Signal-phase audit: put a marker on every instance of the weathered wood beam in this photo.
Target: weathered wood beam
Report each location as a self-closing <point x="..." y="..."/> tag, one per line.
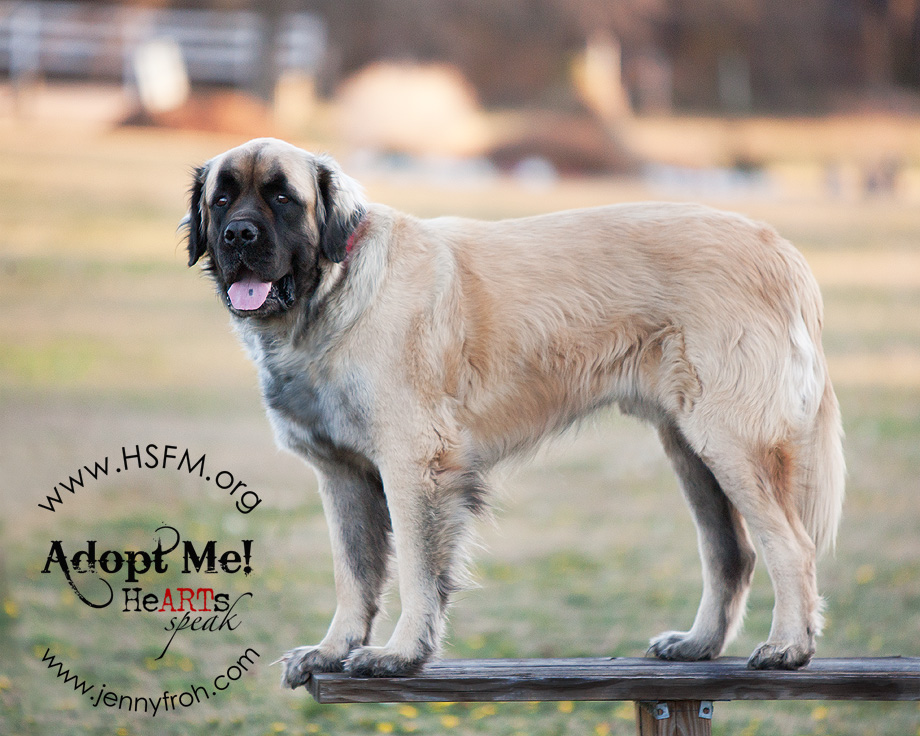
<point x="481" y="680"/>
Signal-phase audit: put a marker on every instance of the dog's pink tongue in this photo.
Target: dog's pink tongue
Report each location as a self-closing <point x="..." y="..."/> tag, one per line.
<point x="248" y="293"/>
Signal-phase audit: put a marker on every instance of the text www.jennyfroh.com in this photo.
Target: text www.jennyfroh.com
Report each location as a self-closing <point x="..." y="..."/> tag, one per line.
<point x="161" y="703"/>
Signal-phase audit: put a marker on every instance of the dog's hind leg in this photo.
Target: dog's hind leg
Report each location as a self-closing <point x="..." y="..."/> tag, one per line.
<point x="359" y="528"/>
<point x="762" y="486"/>
<point x="727" y="554"/>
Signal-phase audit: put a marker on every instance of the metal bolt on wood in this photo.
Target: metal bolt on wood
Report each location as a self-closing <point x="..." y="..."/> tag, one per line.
<point x="674" y="718"/>
<point x="660" y="711"/>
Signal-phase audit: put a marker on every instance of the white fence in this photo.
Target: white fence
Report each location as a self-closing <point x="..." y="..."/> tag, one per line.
<point x="77" y="41"/>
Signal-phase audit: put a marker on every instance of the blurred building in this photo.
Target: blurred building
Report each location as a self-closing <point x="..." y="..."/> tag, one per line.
<point x="725" y="56"/>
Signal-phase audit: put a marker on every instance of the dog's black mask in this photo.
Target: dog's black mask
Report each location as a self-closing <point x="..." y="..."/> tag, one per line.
<point x="268" y="217"/>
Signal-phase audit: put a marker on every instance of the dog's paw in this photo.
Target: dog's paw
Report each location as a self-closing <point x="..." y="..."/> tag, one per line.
<point x="381" y="662"/>
<point x="302" y="662"/>
<point x="773" y="657"/>
<point x="679" y="646"/>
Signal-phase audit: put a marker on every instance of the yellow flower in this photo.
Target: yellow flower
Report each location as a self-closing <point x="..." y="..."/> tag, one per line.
<point x="819" y="713"/>
<point x="865" y="574"/>
<point x="385" y="727"/>
<point x="279" y="727"/>
<point x="10" y="607"/>
<point x="602" y="729"/>
<point x="408" y="711"/>
<point x="450" y="721"/>
<point x="484" y="711"/>
<point x="625" y="712"/>
<point x="566" y="706"/>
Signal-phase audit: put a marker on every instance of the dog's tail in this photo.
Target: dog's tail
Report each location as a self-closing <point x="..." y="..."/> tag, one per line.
<point x="822" y="465"/>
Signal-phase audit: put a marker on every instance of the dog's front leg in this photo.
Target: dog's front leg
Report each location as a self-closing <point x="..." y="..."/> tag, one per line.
<point x="359" y="529"/>
<point x="430" y="512"/>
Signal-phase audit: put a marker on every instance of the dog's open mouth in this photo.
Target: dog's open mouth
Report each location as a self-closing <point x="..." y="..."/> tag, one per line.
<point x="249" y="293"/>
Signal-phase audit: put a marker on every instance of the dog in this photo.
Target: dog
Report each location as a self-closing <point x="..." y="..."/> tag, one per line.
<point x="403" y="358"/>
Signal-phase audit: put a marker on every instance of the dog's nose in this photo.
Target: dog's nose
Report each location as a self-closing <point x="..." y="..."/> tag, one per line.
<point x="241" y="232"/>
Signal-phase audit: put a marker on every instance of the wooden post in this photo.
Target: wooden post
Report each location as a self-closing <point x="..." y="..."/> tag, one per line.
<point x="674" y="718"/>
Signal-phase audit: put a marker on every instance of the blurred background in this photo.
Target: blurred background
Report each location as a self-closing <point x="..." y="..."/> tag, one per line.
<point x="536" y="88"/>
<point x="804" y="113"/>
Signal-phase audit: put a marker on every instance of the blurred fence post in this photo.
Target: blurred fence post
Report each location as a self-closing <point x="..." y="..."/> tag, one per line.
<point x="245" y="49"/>
<point x="25" y="50"/>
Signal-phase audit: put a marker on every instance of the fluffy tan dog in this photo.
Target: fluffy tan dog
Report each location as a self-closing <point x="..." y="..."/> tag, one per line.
<point x="402" y="358"/>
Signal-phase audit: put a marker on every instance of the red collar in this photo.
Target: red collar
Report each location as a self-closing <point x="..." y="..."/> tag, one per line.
<point x="353" y="239"/>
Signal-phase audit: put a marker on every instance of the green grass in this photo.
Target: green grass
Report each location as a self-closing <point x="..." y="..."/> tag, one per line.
<point x="106" y="339"/>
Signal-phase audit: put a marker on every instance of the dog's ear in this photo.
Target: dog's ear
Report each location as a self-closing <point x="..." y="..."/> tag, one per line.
<point x="339" y="208"/>
<point x="194" y="221"/>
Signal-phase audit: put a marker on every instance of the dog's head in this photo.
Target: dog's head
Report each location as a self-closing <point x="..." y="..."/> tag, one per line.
<point x="270" y="217"/>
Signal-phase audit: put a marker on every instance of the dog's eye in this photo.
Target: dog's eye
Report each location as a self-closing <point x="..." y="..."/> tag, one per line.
<point x="282" y="198"/>
<point x="221" y="201"/>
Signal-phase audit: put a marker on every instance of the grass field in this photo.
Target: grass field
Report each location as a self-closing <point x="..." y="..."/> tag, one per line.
<point x="107" y="340"/>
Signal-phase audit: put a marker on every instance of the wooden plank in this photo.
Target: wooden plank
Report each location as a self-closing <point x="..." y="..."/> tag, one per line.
<point x="483" y="680"/>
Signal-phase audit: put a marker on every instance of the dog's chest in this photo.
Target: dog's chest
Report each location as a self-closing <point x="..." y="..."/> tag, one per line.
<point x="314" y="413"/>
